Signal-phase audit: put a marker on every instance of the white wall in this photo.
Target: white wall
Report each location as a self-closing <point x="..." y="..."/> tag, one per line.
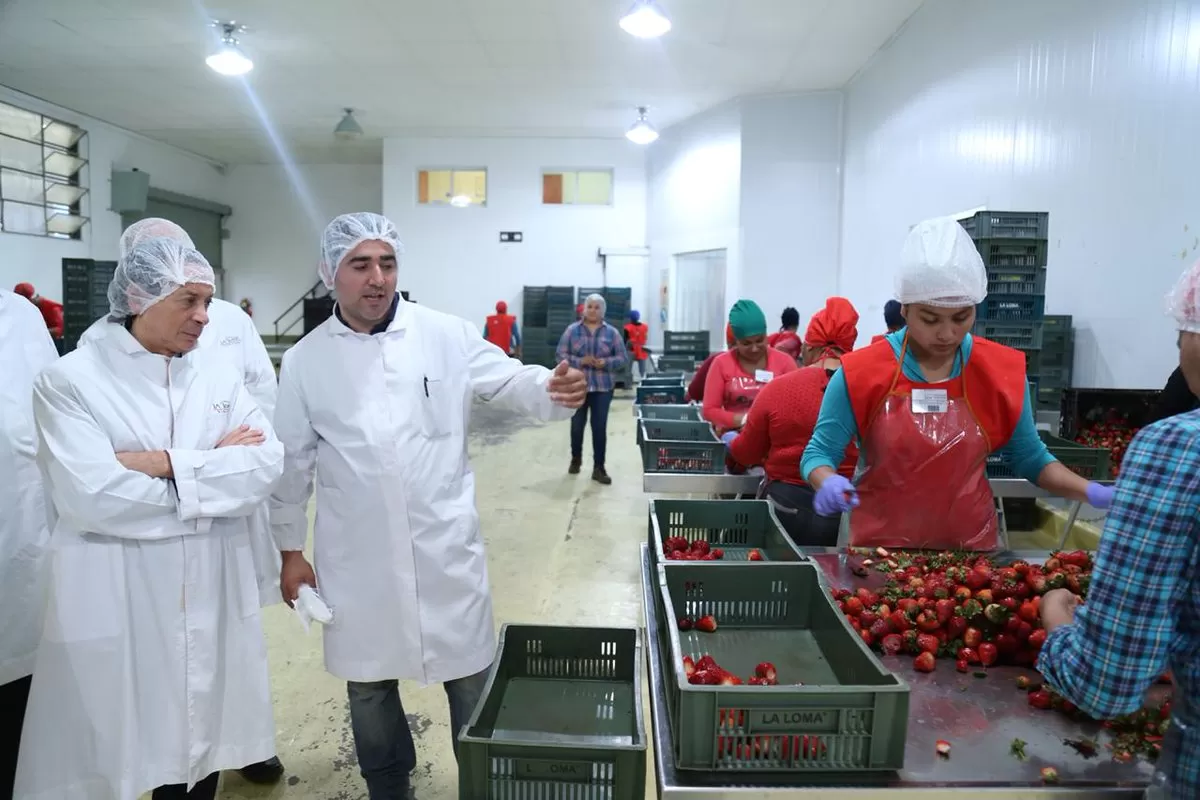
<point x="275" y="230"/>
<point x="38" y="259"/>
<point x="453" y="259"/>
<point x="791" y="198"/>
<point x="694" y="198"/>
<point x="1083" y="108"/>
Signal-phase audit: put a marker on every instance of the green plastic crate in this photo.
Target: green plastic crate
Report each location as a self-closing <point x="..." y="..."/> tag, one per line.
<point x="735" y="526"/>
<point x="671" y="413"/>
<point x="676" y="364"/>
<point x="1087" y="462"/>
<point x="688" y="447"/>
<point x="850" y="715"/>
<point x="560" y="718"/>
<point x="674" y="394"/>
<point x="1021" y="335"/>
<point x="670" y="381"/>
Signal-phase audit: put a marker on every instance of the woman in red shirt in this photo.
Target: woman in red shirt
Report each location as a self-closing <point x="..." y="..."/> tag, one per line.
<point x="737" y="376"/>
<point x="787" y="339"/>
<point x="782" y="419"/>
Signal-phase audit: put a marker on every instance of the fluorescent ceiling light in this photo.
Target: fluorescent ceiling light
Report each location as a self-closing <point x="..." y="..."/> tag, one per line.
<point x="641" y="132"/>
<point x="348" y="128"/>
<point x="645" y="20"/>
<point x="229" y="58"/>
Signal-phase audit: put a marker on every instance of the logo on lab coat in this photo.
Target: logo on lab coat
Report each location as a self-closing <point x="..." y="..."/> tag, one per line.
<point x="222" y="406"/>
<point x="228" y="340"/>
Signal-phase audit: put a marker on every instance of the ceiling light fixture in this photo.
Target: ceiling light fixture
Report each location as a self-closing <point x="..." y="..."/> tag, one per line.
<point x="348" y="129"/>
<point x="229" y="58"/>
<point x="641" y="132"/>
<point x="645" y="20"/>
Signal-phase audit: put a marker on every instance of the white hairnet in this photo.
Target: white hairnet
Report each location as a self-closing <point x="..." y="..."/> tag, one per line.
<point x="349" y="231"/>
<point x="939" y="266"/>
<point x="597" y="298"/>
<point x="1183" y="302"/>
<point x="150" y="272"/>
<point x="152" y="228"/>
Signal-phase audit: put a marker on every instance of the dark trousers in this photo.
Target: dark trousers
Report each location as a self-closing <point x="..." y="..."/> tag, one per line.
<point x="204" y="790"/>
<point x="13" y="698"/>
<point x="597" y="403"/>
<point x="794" y="508"/>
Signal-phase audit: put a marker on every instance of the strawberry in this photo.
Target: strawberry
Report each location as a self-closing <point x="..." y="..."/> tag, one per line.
<point x="706" y="662"/>
<point x="1076" y="558"/>
<point x="867" y="637"/>
<point x="1073" y="584"/>
<point x="928" y="643"/>
<point x="706" y="624"/>
<point x="1020" y="567"/>
<point x="1051" y="564"/>
<point x="956" y="627"/>
<point x="987" y="653"/>
<point x="729" y="680"/>
<point x="962" y="594"/>
<point x="717" y="554"/>
<point x="1025" y="683"/>
<point x="867" y="618"/>
<point x="927" y="622"/>
<point x="996" y="614"/>
<point x="766" y="670"/>
<point x="879" y="629"/>
<point x="705" y="677"/>
<point x="1056" y="580"/>
<point x="891" y="644"/>
<point x="972" y="637"/>
<point x="1013" y="624"/>
<point x="1037" y="639"/>
<point x="854" y="606"/>
<point x="910" y="642"/>
<point x="969" y="610"/>
<point x="700" y="546"/>
<point x="1023" y="592"/>
<point x="1040" y="699"/>
<point x="1037" y="583"/>
<point x="968" y="654"/>
<point x="943" y="748"/>
<point x="944" y="610"/>
<point x="755" y="555"/>
<point x="1006" y="644"/>
<point x="883" y="610"/>
<point x="685" y="623"/>
<point x="1010" y="603"/>
<point x="925" y="662"/>
<point x="898" y="622"/>
<point x="868" y="598"/>
<point x="985" y="597"/>
<point x="710" y="556"/>
<point x="1024" y="631"/>
<point x="677" y="555"/>
<point x="1049" y="775"/>
<point x="756" y="681"/>
<point x="1028" y="612"/>
<point x="978" y="578"/>
<point x="908" y="606"/>
<point x="689" y="666"/>
<point x="962" y="665"/>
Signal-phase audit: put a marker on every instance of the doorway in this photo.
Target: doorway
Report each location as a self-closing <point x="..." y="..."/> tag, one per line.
<point x="697" y="295"/>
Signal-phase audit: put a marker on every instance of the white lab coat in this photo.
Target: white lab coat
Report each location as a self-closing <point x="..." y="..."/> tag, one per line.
<point x="231" y="339"/>
<point x="398" y="553"/>
<point x="25" y="349"/>
<point x="152" y="666"/>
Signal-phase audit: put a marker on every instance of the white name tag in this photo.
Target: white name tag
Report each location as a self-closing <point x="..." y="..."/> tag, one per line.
<point x="763" y="375"/>
<point x="930" y="401"/>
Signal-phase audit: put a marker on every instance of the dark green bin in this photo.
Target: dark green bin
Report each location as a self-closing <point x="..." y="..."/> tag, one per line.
<point x="680" y="447"/>
<point x="735" y="526"/>
<point x="676" y="364"/>
<point x="560" y="718"/>
<point x="675" y="412"/>
<point x="851" y="714"/>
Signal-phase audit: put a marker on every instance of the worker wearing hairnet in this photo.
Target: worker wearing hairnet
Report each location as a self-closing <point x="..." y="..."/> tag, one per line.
<point x="928" y="405"/>
<point x="229" y="341"/>
<point x="374" y="408"/>
<point x="25" y="350"/>
<point x="1143" y="602"/>
<point x="151" y="673"/>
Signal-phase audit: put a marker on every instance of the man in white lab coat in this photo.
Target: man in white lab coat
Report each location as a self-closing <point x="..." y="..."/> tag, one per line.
<point x="25" y="350"/>
<point x="377" y="402"/>
<point x="151" y="672"/>
<point x="229" y="339"/>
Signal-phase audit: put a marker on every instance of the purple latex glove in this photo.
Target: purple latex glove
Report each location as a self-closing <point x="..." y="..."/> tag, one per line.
<point x="836" y="496"/>
<point x="1099" y="495"/>
<point x="728" y="437"/>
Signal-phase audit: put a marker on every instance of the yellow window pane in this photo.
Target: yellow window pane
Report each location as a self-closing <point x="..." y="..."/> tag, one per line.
<point x="595" y="188"/>
<point x="471" y="184"/>
<point x="438" y="186"/>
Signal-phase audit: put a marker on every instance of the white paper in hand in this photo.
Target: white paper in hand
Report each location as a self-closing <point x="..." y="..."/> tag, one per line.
<point x="311" y="608"/>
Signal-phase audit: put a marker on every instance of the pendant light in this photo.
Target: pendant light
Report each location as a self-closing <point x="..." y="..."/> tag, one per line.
<point x="348" y="129"/>
<point x="641" y="132"/>
<point x="228" y="59"/>
<point x="645" y="20"/>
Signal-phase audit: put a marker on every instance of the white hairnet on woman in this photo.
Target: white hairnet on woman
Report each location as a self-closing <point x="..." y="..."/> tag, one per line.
<point x="152" y="228"/>
<point x="151" y="271"/>
<point x="1183" y="301"/>
<point x="347" y="232"/>
<point x="598" y="299"/>
<point x="939" y="266"/>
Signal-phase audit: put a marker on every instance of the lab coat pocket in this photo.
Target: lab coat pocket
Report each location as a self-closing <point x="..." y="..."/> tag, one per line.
<point x="86" y="586"/>
<point x="438" y="409"/>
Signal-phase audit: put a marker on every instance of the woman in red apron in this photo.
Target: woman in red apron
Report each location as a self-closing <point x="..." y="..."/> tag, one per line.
<point x="637" y="334"/>
<point x="787" y="339"/>
<point x="737" y="375"/>
<point x="928" y="405"/>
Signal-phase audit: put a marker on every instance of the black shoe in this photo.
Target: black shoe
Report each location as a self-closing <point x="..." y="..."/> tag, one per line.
<point x="264" y="772"/>
<point x="576" y="465"/>
<point x="600" y="476"/>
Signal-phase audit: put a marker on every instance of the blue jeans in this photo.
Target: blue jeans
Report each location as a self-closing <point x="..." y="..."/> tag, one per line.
<point x="598" y="403"/>
<point x="382" y="738"/>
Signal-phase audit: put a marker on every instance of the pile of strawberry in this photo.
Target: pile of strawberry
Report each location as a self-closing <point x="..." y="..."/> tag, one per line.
<point x="677" y="548"/>
<point x="1114" y="437"/>
<point x="959" y="605"/>
<point x="707" y="672"/>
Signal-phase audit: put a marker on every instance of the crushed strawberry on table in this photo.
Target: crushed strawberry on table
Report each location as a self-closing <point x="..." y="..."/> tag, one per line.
<point x="677" y="548"/>
<point x="707" y="672"/>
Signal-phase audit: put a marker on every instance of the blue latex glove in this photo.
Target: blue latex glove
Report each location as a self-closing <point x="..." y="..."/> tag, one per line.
<point x="728" y="437"/>
<point x="1099" y="495"/>
<point x="836" y="496"/>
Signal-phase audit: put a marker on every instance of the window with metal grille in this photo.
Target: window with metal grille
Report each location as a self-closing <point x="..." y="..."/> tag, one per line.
<point x="42" y="175"/>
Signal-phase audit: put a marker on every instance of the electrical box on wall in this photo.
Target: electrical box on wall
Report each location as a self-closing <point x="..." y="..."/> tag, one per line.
<point x="130" y="191"/>
<point x="507" y="237"/>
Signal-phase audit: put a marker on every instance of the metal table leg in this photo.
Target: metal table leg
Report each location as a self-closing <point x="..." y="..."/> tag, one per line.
<point x="1071" y="517"/>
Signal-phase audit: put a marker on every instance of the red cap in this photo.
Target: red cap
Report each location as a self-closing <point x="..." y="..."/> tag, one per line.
<point x="25" y="290"/>
<point x="501" y="307"/>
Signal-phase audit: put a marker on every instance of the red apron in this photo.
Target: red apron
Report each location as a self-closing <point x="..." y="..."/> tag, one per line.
<point x="636" y="332"/>
<point x="499" y="331"/>
<point x="925" y="485"/>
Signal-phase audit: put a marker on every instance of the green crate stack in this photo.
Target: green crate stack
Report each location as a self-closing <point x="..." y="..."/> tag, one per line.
<point x="1055" y="361"/>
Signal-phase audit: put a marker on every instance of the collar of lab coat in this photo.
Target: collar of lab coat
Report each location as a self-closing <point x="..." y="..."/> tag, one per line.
<point x="399" y="321"/>
<point x="120" y="339"/>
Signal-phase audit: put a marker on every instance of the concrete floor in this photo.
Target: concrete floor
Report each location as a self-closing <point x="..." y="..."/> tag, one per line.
<point x="562" y="550"/>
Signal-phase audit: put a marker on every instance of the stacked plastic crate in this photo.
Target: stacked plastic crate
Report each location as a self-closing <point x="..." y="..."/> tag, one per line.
<point x="546" y="313"/>
<point x="1055" y="362"/>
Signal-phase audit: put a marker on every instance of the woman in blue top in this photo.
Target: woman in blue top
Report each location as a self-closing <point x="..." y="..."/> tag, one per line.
<point x="928" y="404"/>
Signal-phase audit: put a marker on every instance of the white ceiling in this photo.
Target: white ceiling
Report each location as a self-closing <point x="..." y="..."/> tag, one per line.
<point x="422" y="67"/>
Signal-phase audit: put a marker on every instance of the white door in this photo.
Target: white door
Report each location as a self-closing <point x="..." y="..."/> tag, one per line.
<point x="697" y="295"/>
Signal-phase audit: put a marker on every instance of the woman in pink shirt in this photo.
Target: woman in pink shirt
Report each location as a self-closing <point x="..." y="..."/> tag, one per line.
<point x="737" y="375"/>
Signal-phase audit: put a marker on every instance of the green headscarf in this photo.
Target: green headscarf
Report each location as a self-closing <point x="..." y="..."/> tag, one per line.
<point x="747" y="320"/>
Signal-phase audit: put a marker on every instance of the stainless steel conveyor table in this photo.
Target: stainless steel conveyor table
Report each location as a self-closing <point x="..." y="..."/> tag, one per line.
<point x="980" y="717"/>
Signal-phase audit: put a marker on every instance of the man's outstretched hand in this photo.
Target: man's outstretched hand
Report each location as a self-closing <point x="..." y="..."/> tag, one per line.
<point x="567" y="386"/>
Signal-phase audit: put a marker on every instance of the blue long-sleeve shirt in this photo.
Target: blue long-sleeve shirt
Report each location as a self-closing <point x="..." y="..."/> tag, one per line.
<point x="837" y="427"/>
<point x="1143" y="607"/>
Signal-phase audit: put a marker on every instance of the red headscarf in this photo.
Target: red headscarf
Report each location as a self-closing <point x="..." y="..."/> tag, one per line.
<point x="833" y="328"/>
<point x="501" y="307"/>
<point x="25" y="290"/>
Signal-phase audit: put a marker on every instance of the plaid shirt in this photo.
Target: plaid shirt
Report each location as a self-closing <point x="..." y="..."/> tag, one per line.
<point x="577" y="341"/>
<point x="1143" y="609"/>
